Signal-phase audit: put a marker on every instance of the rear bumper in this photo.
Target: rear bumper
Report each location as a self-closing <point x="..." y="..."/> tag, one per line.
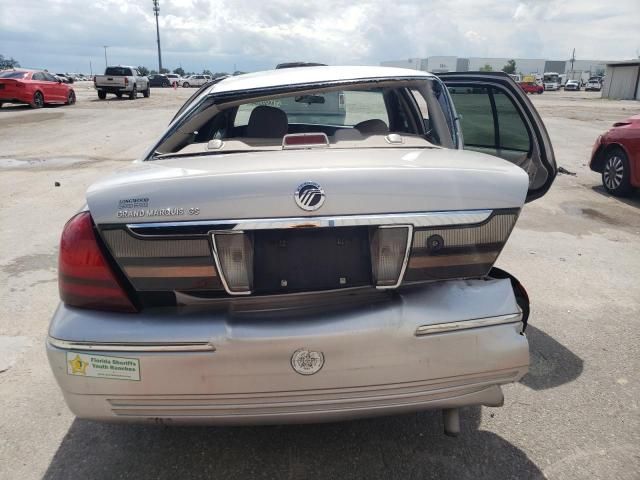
<point x="374" y="361"/>
<point x="113" y="89"/>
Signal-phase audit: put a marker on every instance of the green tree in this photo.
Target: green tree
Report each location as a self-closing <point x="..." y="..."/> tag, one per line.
<point x="207" y="72"/>
<point x="179" y="71"/>
<point x="486" y="68"/>
<point x="510" y="67"/>
<point x="165" y="70"/>
<point x="144" y="71"/>
<point x="6" y="62"/>
<point x="153" y="72"/>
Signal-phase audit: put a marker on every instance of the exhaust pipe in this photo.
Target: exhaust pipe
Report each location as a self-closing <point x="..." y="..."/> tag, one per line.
<point x="451" y="420"/>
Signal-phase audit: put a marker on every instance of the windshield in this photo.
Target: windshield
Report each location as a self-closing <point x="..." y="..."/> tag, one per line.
<point x="13" y="74"/>
<point x="118" y="71"/>
<point x="349" y="117"/>
<point x="553" y="77"/>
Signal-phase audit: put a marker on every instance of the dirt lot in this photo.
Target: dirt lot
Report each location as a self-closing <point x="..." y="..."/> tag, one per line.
<point x="575" y="416"/>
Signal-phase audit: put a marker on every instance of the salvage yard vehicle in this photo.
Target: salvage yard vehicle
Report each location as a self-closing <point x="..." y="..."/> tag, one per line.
<point x="531" y="87"/>
<point x="616" y="156"/>
<point x="195" y="81"/>
<point x="250" y="269"/>
<point x="34" y="88"/>
<point x="572" y="85"/>
<point x="551" y="81"/>
<point x="121" y="80"/>
<point x="593" y="85"/>
<point x="174" y="79"/>
<point x="157" y="80"/>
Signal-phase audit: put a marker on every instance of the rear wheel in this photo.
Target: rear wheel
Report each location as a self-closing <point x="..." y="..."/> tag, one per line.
<point x="71" y="98"/>
<point x="186" y="85"/>
<point x="102" y="95"/>
<point x="134" y="93"/>
<point x="616" y="175"/>
<point x="38" y="100"/>
<point x="147" y="92"/>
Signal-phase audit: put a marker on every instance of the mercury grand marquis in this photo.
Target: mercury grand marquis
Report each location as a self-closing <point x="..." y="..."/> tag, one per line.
<point x="303" y="245"/>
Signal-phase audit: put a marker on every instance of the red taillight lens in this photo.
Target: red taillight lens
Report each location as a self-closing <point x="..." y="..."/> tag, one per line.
<point x="85" y="278"/>
<point x="126" y="81"/>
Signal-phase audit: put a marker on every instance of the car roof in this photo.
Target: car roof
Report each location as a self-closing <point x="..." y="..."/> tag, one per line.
<point x="306" y="75"/>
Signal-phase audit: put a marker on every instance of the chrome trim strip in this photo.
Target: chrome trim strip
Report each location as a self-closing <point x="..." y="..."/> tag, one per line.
<point x="216" y="258"/>
<point x="132" y="347"/>
<point x="420" y="219"/>
<point x="467" y="324"/>
<point x="405" y="261"/>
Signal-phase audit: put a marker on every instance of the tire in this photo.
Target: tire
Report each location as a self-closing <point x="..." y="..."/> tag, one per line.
<point x="134" y="93"/>
<point x="102" y="95"/>
<point x="146" y="93"/>
<point x="185" y="85"/>
<point x="616" y="174"/>
<point x="71" y="98"/>
<point x="38" y="100"/>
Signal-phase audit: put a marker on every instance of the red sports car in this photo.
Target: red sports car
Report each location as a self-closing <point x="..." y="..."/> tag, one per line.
<point x="616" y="155"/>
<point x="531" y="87"/>
<point x="34" y="88"/>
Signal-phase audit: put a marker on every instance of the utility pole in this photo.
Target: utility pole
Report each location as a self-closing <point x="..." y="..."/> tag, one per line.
<point x="156" y="12"/>
<point x="573" y="58"/>
<point x="106" y="63"/>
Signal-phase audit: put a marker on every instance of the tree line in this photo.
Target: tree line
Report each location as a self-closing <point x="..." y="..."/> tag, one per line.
<point x="180" y="71"/>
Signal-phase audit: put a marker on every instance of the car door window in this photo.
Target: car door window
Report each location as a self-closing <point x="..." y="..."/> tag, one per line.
<point x="38" y="77"/>
<point x="49" y="78"/>
<point x="490" y="122"/>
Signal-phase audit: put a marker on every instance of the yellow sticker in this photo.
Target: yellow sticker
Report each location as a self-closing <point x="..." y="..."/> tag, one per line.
<point x="101" y="366"/>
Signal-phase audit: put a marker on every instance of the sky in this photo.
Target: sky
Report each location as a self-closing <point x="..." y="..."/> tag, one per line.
<point x="249" y="35"/>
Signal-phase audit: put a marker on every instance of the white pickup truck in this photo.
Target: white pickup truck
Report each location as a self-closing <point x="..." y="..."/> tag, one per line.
<point x="121" y="80"/>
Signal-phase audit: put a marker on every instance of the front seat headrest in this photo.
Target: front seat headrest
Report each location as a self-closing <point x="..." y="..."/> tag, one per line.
<point x="372" y="127"/>
<point x="267" y="122"/>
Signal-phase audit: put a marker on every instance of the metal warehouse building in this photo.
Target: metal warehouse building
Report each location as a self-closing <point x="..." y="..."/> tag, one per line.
<point x="622" y="81"/>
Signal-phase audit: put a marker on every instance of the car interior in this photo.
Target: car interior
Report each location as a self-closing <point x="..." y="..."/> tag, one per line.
<point x="350" y="118"/>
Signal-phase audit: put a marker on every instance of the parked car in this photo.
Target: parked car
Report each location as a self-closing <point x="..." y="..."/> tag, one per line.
<point x="157" y="80"/>
<point x="35" y="88"/>
<point x="121" y="80"/>
<point x="616" y="155"/>
<point x="593" y="85"/>
<point x="64" y="77"/>
<point x="195" y="81"/>
<point x="572" y="85"/>
<point x="250" y="269"/>
<point x="174" y="79"/>
<point x="531" y="87"/>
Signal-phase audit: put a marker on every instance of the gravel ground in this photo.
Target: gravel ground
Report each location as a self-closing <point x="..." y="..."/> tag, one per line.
<point x="574" y="416"/>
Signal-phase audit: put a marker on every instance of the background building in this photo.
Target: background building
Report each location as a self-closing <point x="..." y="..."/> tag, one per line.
<point x="622" y="80"/>
<point x="441" y="64"/>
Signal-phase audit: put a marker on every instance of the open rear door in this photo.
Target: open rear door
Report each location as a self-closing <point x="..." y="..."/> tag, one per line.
<point x="495" y="117"/>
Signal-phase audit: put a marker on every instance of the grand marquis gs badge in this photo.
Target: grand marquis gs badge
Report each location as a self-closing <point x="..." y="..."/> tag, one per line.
<point x="307" y="362"/>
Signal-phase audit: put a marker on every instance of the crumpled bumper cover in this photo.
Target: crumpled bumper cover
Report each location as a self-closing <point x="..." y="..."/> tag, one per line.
<point x="378" y="359"/>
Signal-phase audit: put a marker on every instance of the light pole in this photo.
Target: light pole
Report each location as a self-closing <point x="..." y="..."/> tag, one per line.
<point x="156" y="12"/>
<point x="106" y="63"/>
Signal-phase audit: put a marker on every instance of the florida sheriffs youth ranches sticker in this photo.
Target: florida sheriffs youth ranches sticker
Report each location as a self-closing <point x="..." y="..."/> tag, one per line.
<point x="307" y="362"/>
<point x="100" y="366"/>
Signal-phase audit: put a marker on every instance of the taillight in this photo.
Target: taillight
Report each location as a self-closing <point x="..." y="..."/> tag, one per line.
<point x="126" y="81"/>
<point x="389" y="254"/>
<point x="94" y="80"/>
<point x="85" y="278"/>
<point x="234" y="258"/>
<point x="458" y="252"/>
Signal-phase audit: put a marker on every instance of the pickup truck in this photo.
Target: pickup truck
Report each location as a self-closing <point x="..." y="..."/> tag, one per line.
<point x="121" y="80"/>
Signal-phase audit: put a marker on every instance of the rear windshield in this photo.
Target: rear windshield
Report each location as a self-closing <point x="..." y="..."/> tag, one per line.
<point x="118" y="71"/>
<point x="13" y="74"/>
<point x="353" y="116"/>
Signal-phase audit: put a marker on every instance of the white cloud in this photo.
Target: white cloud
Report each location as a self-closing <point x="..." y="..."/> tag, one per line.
<point x="253" y="34"/>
